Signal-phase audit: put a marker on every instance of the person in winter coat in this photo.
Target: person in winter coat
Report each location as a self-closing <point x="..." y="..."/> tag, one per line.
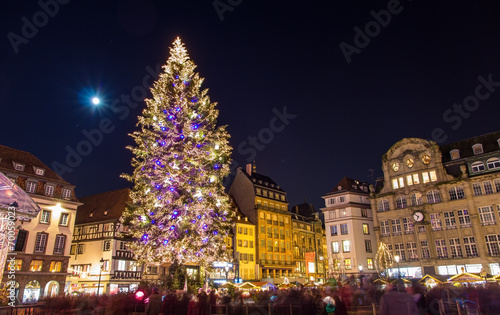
<point x="155" y="303"/>
<point x="397" y="302"/>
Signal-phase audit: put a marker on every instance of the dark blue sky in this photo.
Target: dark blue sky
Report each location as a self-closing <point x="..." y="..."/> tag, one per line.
<point x="262" y="57"/>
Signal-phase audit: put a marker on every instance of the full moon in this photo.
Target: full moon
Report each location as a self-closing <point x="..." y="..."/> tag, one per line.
<point x="96" y="100"/>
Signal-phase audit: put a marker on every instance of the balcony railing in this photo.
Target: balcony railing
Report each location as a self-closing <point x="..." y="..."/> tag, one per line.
<point x="127" y="275"/>
<point x="465" y="225"/>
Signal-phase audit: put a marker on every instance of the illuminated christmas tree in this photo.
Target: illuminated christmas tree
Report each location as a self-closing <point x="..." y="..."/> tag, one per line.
<point x="179" y="212"/>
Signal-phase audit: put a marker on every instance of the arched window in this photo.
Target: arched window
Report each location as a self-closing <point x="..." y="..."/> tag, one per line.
<point x="456" y="193"/>
<point x="477" y="166"/>
<point x="433" y="196"/>
<point x="383" y="205"/>
<point x="416" y="199"/>
<point x="401" y="202"/>
<point x="493" y="163"/>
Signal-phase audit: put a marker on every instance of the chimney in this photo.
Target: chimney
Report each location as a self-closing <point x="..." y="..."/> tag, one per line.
<point x="249" y="169"/>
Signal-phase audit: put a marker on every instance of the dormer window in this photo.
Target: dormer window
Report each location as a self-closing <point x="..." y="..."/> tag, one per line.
<point x="455" y="154"/>
<point x="66" y="194"/>
<point x="477" y="167"/>
<point x="477" y="149"/>
<point x="39" y="171"/>
<point x="498" y="141"/>
<point x="19" y="167"/>
<point x="106" y="212"/>
<point x="339" y="188"/>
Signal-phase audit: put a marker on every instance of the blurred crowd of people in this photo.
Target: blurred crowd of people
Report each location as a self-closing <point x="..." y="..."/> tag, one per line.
<point x="351" y="299"/>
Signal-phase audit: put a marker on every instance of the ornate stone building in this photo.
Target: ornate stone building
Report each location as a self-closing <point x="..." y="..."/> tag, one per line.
<point x="437" y="207"/>
<point x="43" y="244"/>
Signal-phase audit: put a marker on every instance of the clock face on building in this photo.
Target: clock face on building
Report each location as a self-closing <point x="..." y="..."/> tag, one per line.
<point x="410" y="163"/>
<point x="426" y="159"/>
<point x="418" y="216"/>
<point x="395" y="166"/>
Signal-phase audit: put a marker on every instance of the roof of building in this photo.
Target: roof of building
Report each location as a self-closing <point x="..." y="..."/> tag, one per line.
<point x="347" y="184"/>
<point x="9" y="156"/>
<point x="262" y="180"/>
<point x="304" y="209"/>
<point x="106" y="206"/>
<point x="489" y="142"/>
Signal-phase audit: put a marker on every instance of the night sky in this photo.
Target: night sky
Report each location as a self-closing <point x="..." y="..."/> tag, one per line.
<point x="336" y="112"/>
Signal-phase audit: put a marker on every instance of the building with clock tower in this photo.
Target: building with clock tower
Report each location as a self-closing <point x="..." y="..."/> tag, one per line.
<point x="437" y="208"/>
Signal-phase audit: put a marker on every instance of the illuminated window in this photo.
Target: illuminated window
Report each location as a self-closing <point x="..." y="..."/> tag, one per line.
<point x="36" y="265"/>
<point x="365" y="229"/>
<point x="425" y="177"/>
<point x="55" y="266"/>
<point x="347" y="263"/>
<point x="30" y="187"/>
<point x="369" y="262"/>
<point x="401" y="182"/>
<point x="18" y="264"/>
<point x="240" y="242"/>
<point x="433" y="176"/>
<point x="63" y="220"/>
<point x="259" y="191"/>
<point x="395" y="183"/>
<point x="409" y="180"/>
<point x="416" y="179"/>
<point x="346" y="246"/>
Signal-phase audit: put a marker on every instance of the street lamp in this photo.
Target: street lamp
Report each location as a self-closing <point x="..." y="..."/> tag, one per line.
<point x="101" y="263"/>
<point x="396" y="258"/>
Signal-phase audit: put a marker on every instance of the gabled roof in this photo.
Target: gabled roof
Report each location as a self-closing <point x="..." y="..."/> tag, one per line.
<point x="106" y="206"/>
<point x="489" y="142"/>
<point x="9" y="156"/>
<point x="347" y="184"/>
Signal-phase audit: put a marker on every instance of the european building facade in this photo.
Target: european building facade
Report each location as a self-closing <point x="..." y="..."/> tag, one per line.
<point x="438" y="207"/>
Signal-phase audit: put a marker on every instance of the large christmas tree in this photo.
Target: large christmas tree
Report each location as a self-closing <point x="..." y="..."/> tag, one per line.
<point x="179" y="212"/>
